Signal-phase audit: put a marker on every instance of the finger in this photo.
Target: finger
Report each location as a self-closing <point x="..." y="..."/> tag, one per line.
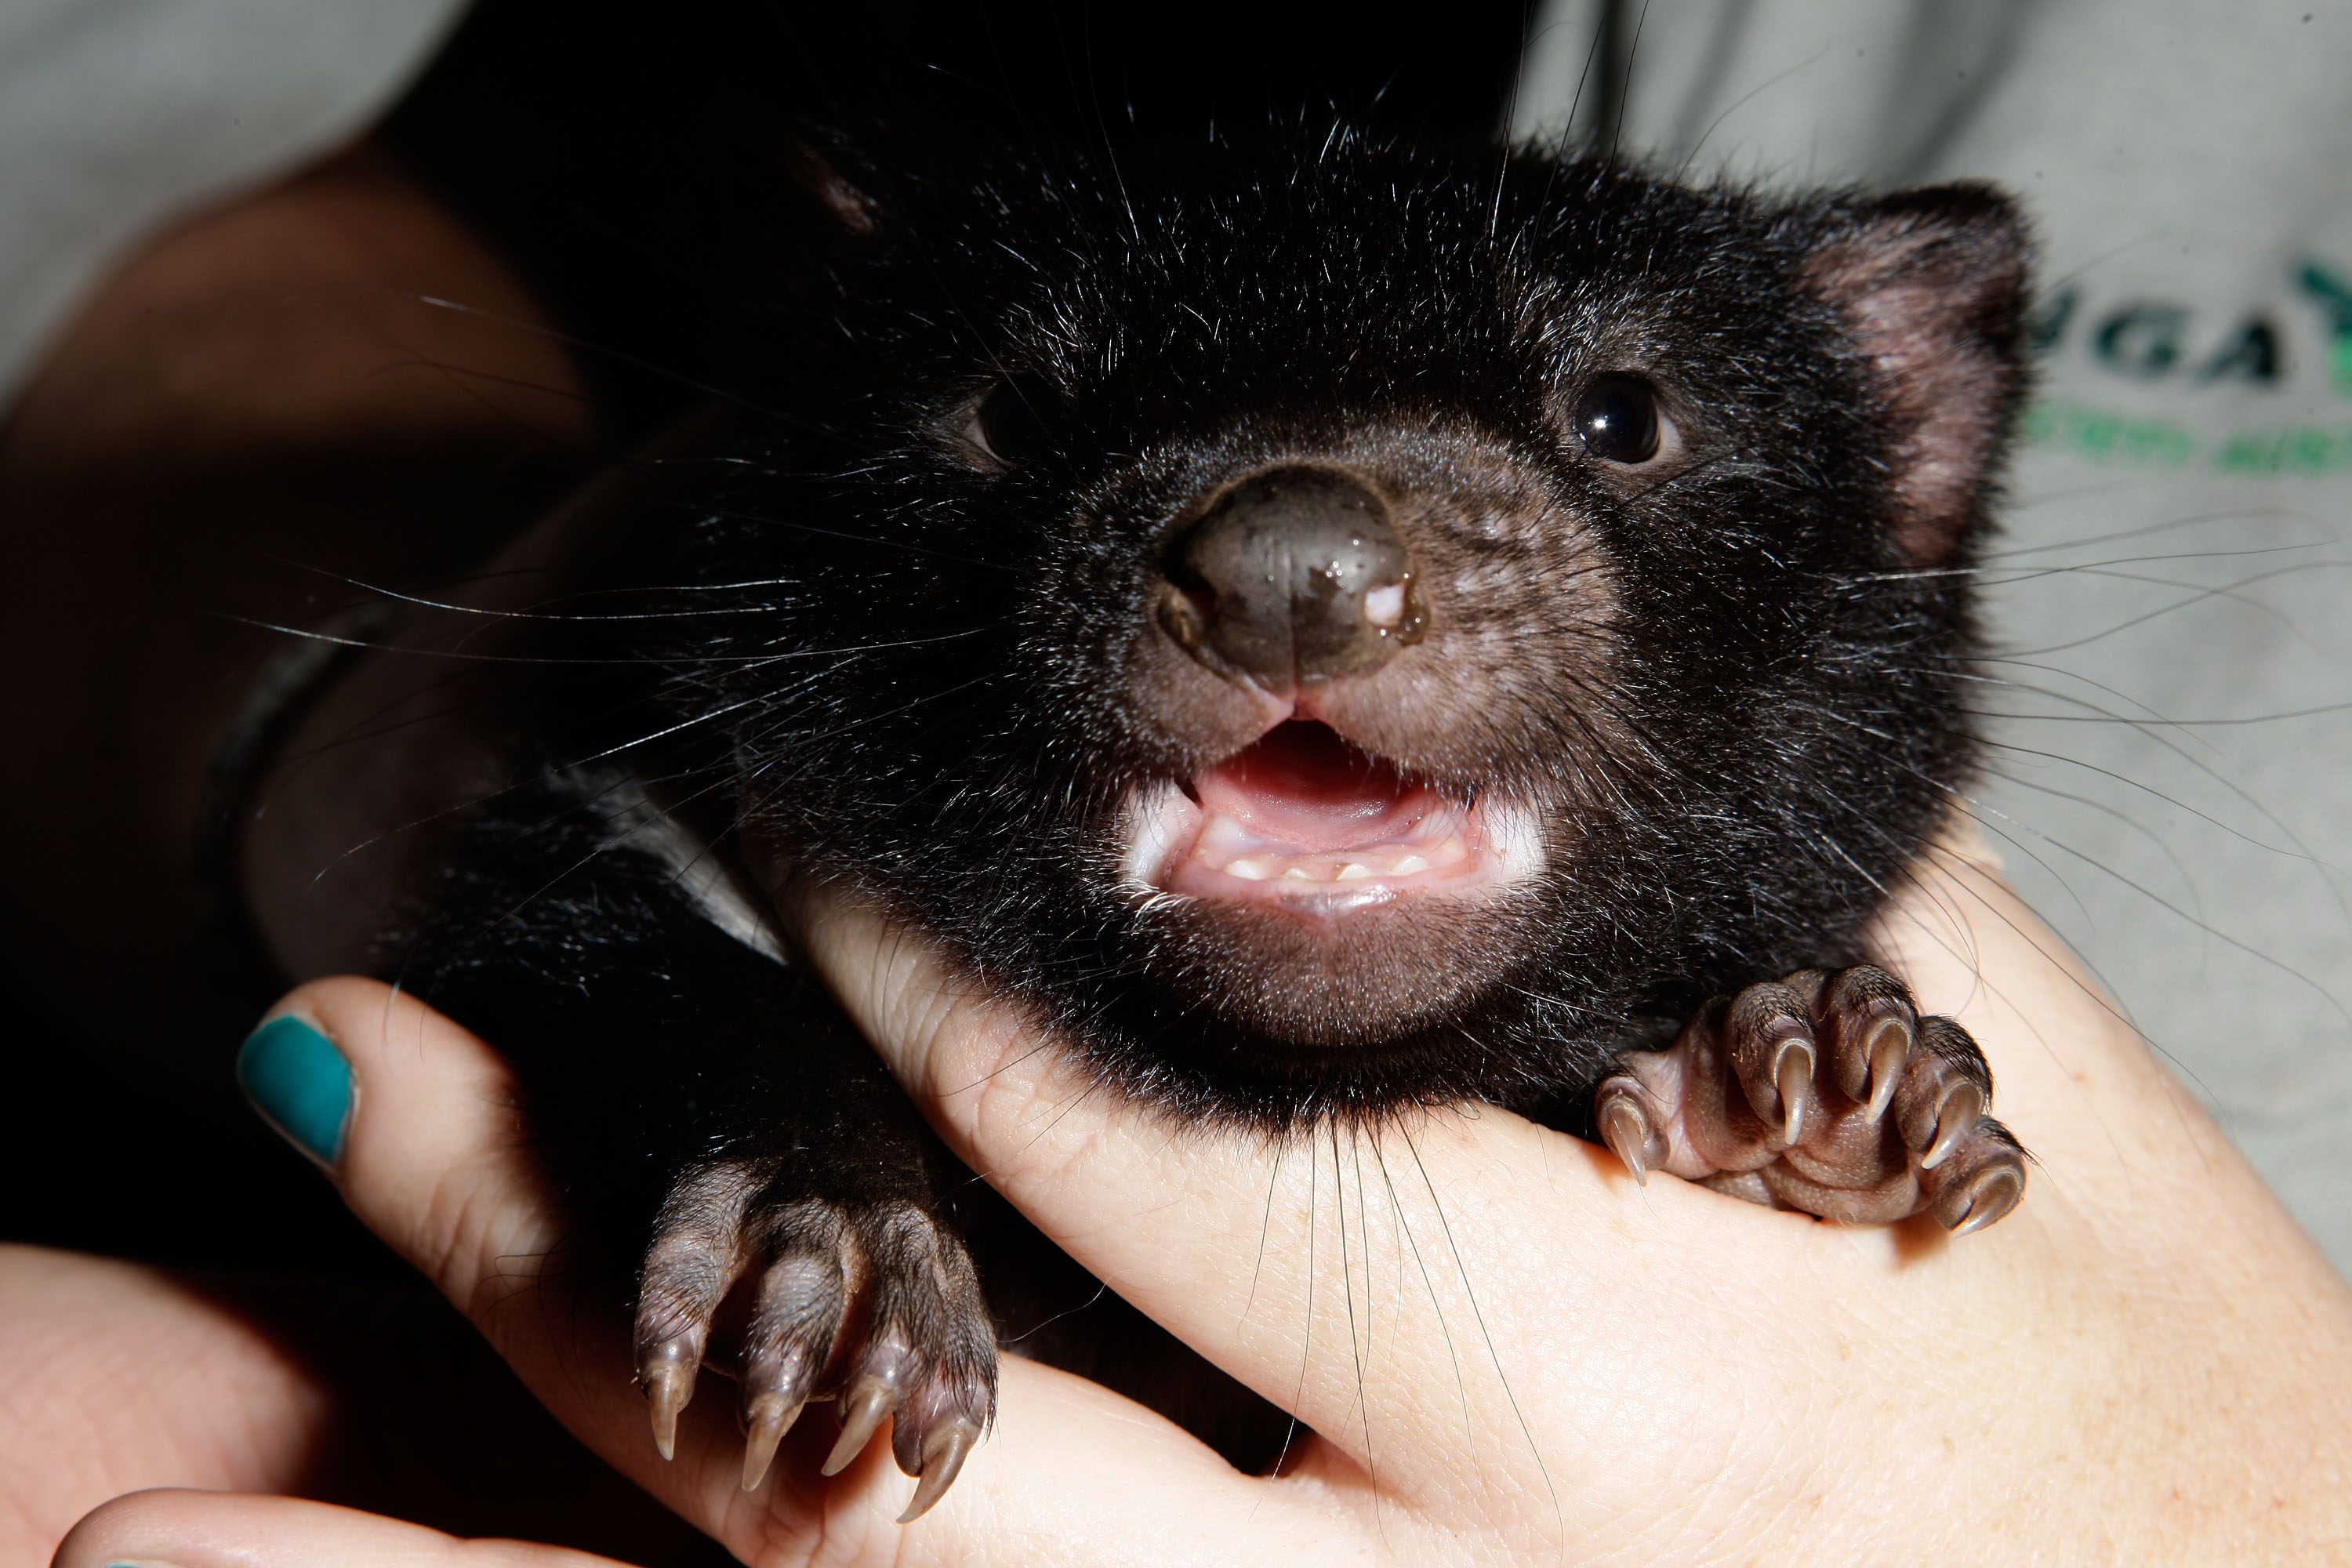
<point x="115" y="1376"/>
<point x="222" y="1530"/>
<point x="429" y="1151"/>
<point x="416" y="1123"/>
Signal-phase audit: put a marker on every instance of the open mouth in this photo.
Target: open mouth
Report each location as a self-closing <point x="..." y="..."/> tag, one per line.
<point x="1305" y="822"/>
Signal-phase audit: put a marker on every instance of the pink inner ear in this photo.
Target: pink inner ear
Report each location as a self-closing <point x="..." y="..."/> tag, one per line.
<point x="1933" y="304"/>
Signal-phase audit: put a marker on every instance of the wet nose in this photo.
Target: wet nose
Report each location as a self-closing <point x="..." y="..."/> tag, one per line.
<point x="1294" y="576"/>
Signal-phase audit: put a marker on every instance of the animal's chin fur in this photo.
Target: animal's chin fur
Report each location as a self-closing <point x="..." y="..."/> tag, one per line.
<point x="1369" y="979"/>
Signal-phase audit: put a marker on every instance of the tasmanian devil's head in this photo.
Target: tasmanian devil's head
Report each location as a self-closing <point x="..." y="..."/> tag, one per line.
<point x="1335" y="624"/>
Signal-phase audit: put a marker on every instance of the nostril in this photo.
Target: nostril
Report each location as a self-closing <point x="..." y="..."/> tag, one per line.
<point x="1188" y="614"/>
<point x="1396" y="611"/>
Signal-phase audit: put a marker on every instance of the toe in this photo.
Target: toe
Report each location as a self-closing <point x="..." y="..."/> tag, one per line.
<point x="1768" y="1037"/>
<point x="803" y="1296"/>
<point x="1632" y="1124"/>
<point x="1866" y="1024"/>
<point x="696" y="1257"/>
<point x="666" y="1372"/>
<point x="870" y="1399"/>
<point x="1946" y="1087"/>
<point x="942" y="1459"/>
<point x="1979" y="1181"/>
<point x="924" y="1358"/>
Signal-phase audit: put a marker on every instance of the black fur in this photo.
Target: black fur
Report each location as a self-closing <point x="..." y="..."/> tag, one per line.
<point x="921" y="689"/>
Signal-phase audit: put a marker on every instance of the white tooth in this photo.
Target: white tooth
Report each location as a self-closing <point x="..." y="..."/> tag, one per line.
<point x="1409" y="864"/>
<point x="1354" y="870"/>
<point x="1247" y="870"/>
<point x="1222" y="832"/>
<point x="1296" y="874"/>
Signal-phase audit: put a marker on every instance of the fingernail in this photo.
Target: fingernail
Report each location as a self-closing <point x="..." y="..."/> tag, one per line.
<point x="300" y="1083"/>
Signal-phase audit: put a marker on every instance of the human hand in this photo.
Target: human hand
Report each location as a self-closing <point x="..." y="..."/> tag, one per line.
<point x="1514" y="1350"/>
<point x="432" y="1157"/>
<point x="1507" y="1349"/>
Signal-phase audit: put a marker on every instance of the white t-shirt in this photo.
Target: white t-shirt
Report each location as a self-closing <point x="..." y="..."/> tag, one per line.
<point x="117" y="116"/>
<point x="2173" y="572"/>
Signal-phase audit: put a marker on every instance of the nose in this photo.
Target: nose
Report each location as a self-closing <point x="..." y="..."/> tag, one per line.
<point x="1293" y="576"/>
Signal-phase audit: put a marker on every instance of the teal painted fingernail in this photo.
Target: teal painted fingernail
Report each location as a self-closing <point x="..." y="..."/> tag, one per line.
<point x="296" y="1078"/>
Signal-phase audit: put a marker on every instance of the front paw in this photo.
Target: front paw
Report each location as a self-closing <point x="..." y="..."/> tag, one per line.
<point x="1826" y="1092"/>
<point x="874" y="1303"/>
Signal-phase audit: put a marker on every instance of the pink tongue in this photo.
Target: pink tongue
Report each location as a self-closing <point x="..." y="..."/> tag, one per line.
<point x="1306" y="787"/>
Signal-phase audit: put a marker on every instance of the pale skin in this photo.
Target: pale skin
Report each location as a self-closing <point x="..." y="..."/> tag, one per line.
<point x="2146" y="1362"/>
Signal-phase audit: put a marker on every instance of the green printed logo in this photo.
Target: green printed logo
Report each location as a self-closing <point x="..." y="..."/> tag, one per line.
<point x="2309" y="449"/>
<point x="2164" y="340"/>
<point x="2105" y="435"/>
<point x="2336" y="297"/>
<point x="2109" y="435"/>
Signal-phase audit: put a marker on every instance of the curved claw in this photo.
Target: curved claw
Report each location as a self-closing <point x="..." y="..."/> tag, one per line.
<point x="1792" y="1075"/>
<point x="667" y="1372"/>
<point x="1955" y="1120"/>
<point x="770" y="1417"/>
<point x="943" y="1454"/>
<point x="863" y="1408"/>
<point x="1888" y="1050"/>
<point x="1625" y="1125"/>
<point x="1986" y="1200"/>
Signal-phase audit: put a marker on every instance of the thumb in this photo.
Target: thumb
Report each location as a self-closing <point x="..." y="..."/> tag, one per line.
<point x="416" y="1122"/>
<point x="173" y="1529"/>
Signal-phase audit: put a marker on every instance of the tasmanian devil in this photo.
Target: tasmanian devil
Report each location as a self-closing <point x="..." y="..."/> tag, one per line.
<point x="1330" y="625"/>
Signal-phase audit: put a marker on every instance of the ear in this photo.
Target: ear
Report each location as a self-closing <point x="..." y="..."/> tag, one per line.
<point x="1931" y="285"/>
<point x="836" y="197"/>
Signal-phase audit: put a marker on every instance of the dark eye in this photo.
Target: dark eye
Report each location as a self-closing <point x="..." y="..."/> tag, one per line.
<point x="1018" y="421"/>
<point x="1618" y="419"/>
